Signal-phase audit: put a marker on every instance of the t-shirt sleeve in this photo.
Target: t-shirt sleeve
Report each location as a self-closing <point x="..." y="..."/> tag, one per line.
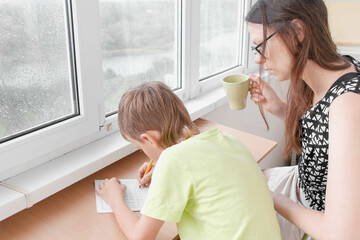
<point x="169" y="191"/>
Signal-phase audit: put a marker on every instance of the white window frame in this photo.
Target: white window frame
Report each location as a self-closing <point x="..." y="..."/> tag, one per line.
<point x="191" y="58"/>
<point x="33" y="149"/>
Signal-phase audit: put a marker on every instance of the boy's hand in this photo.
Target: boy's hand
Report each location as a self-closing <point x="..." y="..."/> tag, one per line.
<point x="145" y="180"/>
<point x="112" y="191"/>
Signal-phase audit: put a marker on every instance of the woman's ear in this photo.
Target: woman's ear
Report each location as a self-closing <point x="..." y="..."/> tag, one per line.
<point x="151" y="137"/>
<point x="299" y="28"/>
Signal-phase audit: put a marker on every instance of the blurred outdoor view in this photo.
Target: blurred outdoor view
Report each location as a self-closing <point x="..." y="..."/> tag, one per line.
<point x="219" y="36"/>
<point x="35" y="84"/>
<point x="140" y="42"/>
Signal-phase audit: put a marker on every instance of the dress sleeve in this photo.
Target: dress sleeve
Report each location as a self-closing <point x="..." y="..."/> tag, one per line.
<point x="170" y="189"/>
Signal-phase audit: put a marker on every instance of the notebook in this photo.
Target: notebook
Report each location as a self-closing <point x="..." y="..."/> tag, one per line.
<point x="134" y="197"/>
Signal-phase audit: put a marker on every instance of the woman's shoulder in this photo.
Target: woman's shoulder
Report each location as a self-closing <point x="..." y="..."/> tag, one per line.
<point x="354" y="61"/>
<point x="348" y="102"/>
<point x="349" y="82"/>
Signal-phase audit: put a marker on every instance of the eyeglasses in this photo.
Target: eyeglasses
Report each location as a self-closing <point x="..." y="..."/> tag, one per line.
<point x="256" y="48"/>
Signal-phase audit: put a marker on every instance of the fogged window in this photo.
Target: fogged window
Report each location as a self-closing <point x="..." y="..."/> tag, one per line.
<point x="219" y="36"/>
<point x="36" y="86"/>
<point x="139" y="44"/>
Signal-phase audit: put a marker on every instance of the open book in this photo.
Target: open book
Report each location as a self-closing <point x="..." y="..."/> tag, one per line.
<point x="135" y="197"/>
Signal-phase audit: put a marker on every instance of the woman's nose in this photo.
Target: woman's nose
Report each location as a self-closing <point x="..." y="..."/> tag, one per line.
<point x="259" y="59"/>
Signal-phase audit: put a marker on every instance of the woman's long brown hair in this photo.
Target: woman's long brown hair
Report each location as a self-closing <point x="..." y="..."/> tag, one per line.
<point x="317" y="45"/>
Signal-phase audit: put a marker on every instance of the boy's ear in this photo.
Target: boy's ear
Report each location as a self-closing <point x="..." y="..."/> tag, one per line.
<point x="151" y="136"/>
<point x="299" y="28"/>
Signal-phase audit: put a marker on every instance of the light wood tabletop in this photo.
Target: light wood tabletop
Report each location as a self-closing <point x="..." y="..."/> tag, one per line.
<point x="71" y="213"/>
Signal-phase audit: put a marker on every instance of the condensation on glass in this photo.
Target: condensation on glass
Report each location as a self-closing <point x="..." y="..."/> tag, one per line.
<point x="220" y="41"/>
<point x="37" y="85"/>
<point x="139" y="44"/>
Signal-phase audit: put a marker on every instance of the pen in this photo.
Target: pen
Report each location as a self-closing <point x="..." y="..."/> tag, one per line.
<point x="147" y="170"/>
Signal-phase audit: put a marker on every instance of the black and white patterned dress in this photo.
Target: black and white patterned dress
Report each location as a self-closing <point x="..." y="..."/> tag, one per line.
<point x="313" y="162"/>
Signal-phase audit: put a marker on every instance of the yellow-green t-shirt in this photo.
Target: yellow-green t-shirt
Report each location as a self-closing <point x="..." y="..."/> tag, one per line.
<point x="212" y="187"/>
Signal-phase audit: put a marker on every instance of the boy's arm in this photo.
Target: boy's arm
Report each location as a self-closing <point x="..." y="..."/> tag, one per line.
<point x="134" y="227"/>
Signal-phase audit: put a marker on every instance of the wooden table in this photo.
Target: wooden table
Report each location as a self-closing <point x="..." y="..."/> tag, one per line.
<point x="71" y="213"/>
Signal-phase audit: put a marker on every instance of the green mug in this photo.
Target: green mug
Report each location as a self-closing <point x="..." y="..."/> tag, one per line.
<point x="236" y="88"/>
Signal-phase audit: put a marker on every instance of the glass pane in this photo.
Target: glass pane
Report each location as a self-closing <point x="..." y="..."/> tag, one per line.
<point x="35" y="83"/>
<point x="139" y="44"/>
<point x="219" y="36"/>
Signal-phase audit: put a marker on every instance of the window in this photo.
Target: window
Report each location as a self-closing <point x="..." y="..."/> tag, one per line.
<point x="47" y="102"/>
<point x="38" y="85"/>
<point x="220" y="36"/>
<point x="139" y="44"/>
<point x="66" y="63"/>
<point x="218" y="45"/>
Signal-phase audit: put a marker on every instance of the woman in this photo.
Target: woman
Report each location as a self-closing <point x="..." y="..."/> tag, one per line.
<point x="321" y="195"/>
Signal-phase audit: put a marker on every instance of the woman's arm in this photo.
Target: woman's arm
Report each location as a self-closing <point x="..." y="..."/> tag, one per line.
<point x="310" y="221"/>
<point x="342" y="209"/>
<point x="343" y="192"/>
<point x="133" y="226"/>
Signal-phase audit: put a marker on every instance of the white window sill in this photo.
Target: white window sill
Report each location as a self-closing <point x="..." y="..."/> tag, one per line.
<point x="57" y="174"/>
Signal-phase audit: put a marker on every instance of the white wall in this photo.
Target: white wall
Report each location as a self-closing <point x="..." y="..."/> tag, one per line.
<point x="250" y="120"/>
<point x="343" y="16"/>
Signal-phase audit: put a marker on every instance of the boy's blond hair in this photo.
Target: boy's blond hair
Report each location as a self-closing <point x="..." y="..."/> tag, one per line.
<point x="154" y="106"/>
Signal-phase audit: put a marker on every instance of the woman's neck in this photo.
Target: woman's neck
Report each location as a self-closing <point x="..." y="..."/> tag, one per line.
<point x="320" y="79"/>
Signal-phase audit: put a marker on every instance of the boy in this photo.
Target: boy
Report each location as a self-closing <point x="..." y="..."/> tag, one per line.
<point x="208" y="183"/>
